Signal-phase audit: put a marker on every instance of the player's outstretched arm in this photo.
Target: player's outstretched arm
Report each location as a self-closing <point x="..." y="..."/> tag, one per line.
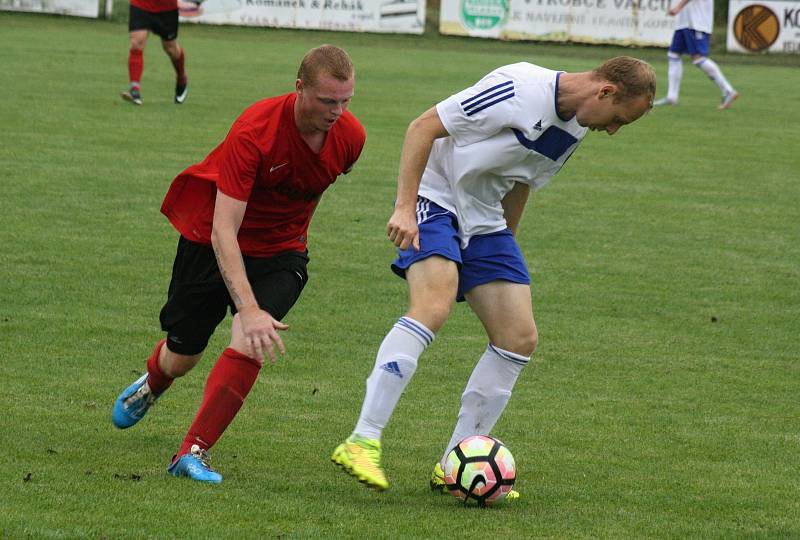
<point x="402" y="227"/>
<point x="257" y="330"/>
<point x="678" y="7"/>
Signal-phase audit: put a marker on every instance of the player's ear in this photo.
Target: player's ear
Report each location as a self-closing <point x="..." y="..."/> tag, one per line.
<point x="298" y="86"/>
<point x="608" y="90"/>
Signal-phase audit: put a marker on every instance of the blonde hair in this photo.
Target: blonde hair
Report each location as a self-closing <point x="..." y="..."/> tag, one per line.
<point x="327" y="59"/>
<point x="632" y="76"/>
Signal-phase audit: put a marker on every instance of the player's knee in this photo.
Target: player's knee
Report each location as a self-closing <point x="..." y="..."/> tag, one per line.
<point x="181" y="366"/>
<point x="433" y="314"/>
<point x="673" y="56"/>
<point x="171" y="48"/>
<point x="528" y="342"/>
<point x="239" y="341"/>
<point x="440" y="311"/>
<point x="432" y="306"/>
<point x="138" y="42"/>
<point x="176" y="365"/>
<point x="523" y="342"/>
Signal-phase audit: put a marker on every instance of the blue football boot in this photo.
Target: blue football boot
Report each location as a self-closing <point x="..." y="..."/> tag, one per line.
<point x="133" y="403"/>
<point x="195" y="465"/>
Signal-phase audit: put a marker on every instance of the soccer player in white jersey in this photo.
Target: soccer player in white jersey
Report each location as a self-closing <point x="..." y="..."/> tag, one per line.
<point x="466" y="169"/>
<point x="692" y="36"/>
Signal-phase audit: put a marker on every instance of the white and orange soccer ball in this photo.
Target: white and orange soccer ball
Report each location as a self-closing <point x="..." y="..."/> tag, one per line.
<point x="480" y="469"/>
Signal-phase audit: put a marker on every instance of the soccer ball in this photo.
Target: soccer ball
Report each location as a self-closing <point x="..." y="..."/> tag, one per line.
<point x="480" y="469"/>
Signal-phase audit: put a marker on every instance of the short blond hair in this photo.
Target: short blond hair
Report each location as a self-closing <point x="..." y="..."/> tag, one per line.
<point x="327" y="59"/>
<point x="632" y="76"/>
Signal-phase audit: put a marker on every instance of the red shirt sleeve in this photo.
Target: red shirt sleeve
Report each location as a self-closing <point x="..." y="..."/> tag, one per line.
<point x="239" y="161"/>
<point x="360" y="139"/>
<point x="354" y="136"/>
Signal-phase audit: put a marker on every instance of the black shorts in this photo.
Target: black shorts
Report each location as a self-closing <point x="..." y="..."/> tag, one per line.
<point x="198" y="299"/>
<point x="162" y="23"/>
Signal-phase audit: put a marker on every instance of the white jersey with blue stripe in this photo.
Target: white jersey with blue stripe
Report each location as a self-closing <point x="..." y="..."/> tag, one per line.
<point x="504" y="129"/>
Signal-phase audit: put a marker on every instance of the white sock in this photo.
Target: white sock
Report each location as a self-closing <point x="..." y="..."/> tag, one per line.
<point x="394" y="367"/>
<point x="487" y="393"/>
<point x="674" y="76"/>
<point x="711" y="69"/>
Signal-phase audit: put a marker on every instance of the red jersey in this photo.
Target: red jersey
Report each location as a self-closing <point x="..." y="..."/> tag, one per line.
<point x="265" y="162"/>
<point x="155" y="6"/>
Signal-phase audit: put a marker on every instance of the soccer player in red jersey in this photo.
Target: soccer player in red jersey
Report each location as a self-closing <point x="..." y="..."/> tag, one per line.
<point x="243" y="216"/>
<point x="161" y="18"/>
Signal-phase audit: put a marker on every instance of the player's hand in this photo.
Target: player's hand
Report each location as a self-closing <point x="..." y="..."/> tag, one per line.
<point x="673" y="11"/>
<point x="402" y="229"/>
<point x="259" y="331"/>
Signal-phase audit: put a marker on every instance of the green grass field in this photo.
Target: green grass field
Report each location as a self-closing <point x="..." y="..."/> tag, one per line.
<point x="663" y="399"/>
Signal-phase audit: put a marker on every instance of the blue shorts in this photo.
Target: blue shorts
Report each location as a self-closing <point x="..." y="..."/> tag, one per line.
<point x="487" y="258"/>
<point x="691" y="42"/>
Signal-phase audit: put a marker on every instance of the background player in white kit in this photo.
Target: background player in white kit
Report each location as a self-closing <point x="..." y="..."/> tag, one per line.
<point x="692" y="36"/>
<point x="466" y="169"/>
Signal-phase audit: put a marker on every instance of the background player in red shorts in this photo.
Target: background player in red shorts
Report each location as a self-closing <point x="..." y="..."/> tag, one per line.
<point x="161" y="18"/>
<point x="243" y="215"/>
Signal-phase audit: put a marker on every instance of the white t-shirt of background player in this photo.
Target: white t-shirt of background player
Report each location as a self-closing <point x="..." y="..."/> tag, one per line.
<point x="697" y="15"/>
<point x="504" y="129"/>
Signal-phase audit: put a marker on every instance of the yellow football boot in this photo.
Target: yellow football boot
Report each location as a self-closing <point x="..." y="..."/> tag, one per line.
<point x="361" y="458"/>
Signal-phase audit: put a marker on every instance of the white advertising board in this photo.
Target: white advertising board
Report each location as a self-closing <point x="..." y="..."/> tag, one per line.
<point x="764" y="26"/>
<point x="78" y="8"/>
<point x="623" y="22"/>
<point x="392" y="16"/>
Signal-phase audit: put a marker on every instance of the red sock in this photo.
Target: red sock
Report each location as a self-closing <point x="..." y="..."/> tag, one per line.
<point x="135" y="66"/>
<point x="179" y="70"/>
<point x="156" y="379"/>
<point x="228" y="384"/>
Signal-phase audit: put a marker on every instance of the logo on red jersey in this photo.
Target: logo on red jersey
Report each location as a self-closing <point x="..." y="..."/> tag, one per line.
<point x="276" y="167"/>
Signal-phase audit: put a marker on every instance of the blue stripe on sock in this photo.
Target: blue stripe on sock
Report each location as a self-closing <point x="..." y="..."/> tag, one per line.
<point x="409" y="324"/>
<point x="511" y="357"/>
